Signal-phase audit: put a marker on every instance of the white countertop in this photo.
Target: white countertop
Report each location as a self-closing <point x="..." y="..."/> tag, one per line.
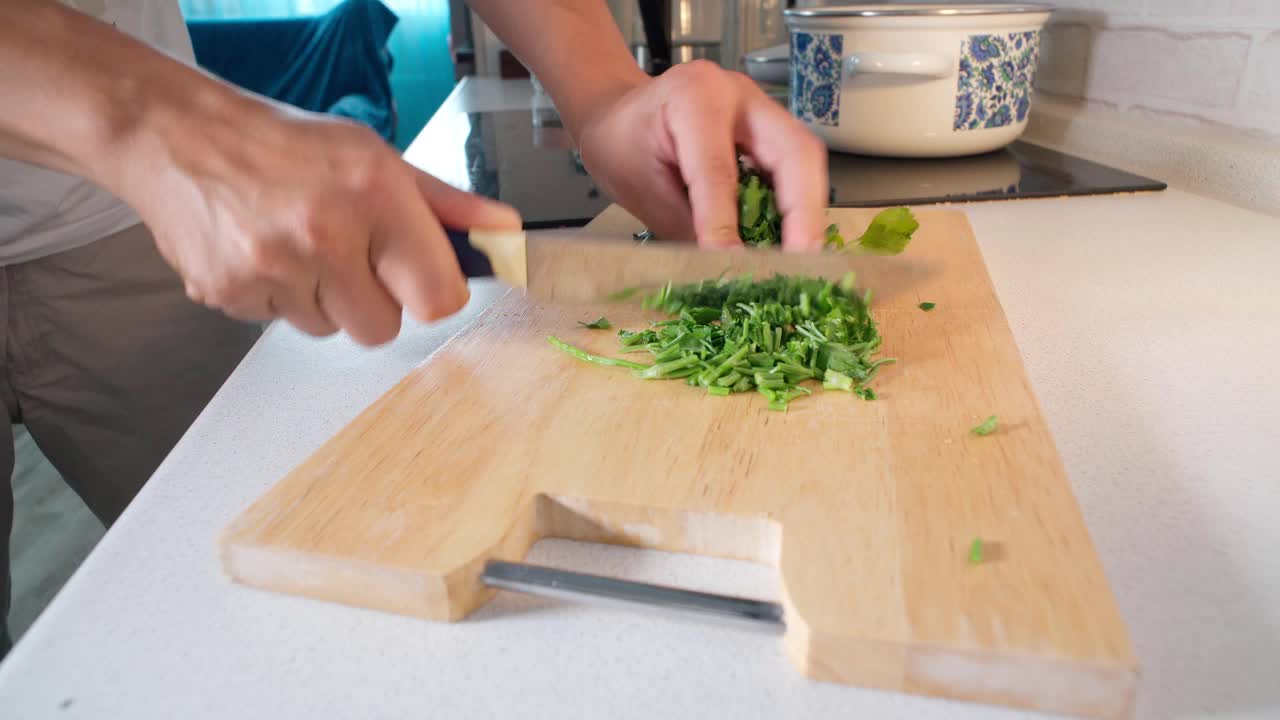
<point x="1150" y="328"/>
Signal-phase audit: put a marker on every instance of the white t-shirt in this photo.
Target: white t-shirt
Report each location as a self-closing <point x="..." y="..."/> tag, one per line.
<point x="43" y="212"/>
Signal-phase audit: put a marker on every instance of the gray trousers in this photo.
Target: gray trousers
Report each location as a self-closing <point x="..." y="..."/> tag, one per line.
<point x="107" y="363"/>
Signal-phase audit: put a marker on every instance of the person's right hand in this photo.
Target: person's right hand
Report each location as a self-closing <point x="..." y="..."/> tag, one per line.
<point x="267" y="212"/>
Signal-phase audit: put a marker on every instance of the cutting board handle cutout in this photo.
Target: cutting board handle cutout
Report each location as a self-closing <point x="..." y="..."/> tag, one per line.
<point x="755" y="539"/>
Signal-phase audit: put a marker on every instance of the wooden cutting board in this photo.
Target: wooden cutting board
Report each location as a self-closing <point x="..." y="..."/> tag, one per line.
<point x="868" y="509"/>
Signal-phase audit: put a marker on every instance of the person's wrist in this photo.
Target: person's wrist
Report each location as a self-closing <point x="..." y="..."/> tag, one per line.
<point x="588" y="104"/>
<point x="156" y="127"/>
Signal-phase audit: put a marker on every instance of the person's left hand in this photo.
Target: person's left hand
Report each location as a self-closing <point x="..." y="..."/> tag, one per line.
<point x="667" y="151"/>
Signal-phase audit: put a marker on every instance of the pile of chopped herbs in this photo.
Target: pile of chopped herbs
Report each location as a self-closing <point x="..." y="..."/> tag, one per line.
<point x="771" y="337"/>
<point x="775" y="336"/>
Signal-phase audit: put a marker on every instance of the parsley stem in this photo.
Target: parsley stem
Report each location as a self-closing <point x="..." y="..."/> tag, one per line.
<point x="665" y="369"/>
<point x="597" y="359"/>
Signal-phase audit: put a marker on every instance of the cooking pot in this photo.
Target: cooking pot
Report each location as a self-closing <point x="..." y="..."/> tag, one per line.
<point x="932" y="80"/>
<point x="769" y="66"/>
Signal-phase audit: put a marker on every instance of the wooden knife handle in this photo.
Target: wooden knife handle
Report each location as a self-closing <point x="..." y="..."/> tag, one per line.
<point x="506" y="250"/>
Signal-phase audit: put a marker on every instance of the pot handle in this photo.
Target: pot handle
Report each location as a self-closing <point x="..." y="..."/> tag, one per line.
<point x="898" y="63"/>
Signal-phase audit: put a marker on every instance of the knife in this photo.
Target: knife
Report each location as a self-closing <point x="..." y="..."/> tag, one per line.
<point x="576" y="266"/>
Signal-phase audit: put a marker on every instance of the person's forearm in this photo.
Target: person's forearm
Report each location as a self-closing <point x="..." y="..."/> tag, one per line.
<point x="78" y="93"/>
<point x="573" y="46"/>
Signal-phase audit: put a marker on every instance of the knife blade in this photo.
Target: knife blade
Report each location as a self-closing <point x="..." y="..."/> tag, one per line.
<point x="578" y="267"/>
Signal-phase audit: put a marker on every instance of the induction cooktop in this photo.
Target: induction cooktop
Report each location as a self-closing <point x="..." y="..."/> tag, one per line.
<point x="525" y="158"/>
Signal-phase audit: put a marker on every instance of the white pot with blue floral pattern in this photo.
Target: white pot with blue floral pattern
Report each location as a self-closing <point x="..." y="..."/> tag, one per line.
<point x="936" y="80"/>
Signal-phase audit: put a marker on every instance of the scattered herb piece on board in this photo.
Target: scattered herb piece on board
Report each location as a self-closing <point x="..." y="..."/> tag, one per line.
<point x="600" y="323"/>
<point x="975" y="551"/>
<point x="597" y="359"/>
<point x="927" y="306"/>
<point x="987" y="427"/>
<point x="624" y="294"/>
<point x="769" y="336"/>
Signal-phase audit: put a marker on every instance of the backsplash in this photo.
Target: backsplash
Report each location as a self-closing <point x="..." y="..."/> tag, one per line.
<point x="1190" y="61"/>
<point x="1200" y="62"/>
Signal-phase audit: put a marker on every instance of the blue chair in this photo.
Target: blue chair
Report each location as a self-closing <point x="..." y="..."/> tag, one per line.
<point x="336" y="63"/>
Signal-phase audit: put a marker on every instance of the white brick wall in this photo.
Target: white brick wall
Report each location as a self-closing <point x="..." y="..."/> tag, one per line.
<point x="1262" y="91"/>
<point x="1214" y="62"/>
<point x="1163" y="67"/>
<point x="1207" y="62"/>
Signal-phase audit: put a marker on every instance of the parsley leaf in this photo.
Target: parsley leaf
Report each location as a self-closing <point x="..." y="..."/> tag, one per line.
<point x="987" y="427"/>
<point x="927" y="306"/>
<point x="975" y="552"/>
<point x="889" y="232"/>
<point x="834" y="239"/>
<point x="601" y="323"/>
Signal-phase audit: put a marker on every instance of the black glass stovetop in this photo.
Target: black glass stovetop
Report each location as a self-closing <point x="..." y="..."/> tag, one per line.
<point x="524" y="158"/>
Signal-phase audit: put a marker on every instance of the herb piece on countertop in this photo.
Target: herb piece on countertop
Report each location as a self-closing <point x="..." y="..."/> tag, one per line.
<point x="600" y="323"/>
<point x="769" y="336"/>
<point x="975" y="551"/>
<point x="927" y="306"/>
<point x="987" y="427"/>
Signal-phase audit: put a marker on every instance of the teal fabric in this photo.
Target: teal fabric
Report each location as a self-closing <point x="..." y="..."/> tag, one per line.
<point x="335" y="63"/>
